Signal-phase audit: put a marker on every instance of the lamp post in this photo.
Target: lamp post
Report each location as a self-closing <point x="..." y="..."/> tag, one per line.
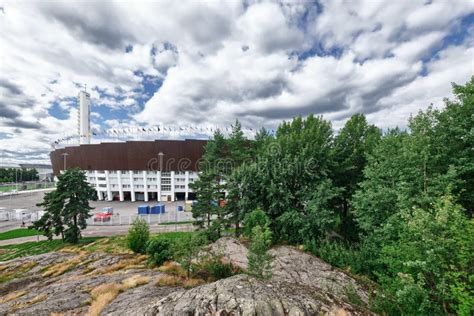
<point x="64" y="157"/>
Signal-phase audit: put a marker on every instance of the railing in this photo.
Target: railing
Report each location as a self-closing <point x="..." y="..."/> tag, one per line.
<point x="116" y="219"/>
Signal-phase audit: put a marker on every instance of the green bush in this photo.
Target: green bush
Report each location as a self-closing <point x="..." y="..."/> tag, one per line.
<point x="159" y="251"/>
<point x="253" y="219"/>
<point x="186" y="249"/>
<point x="213" y="232"/>
<point x="337" y="254"/>
<point x="219" y="270"/>
<point x="259" y="259"/>
<point x="138" y="236"/>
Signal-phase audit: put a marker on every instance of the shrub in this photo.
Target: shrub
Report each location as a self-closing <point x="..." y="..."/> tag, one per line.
<point x="253" y="219"/>
<point x="172" y="268"/>
<point x="216" y="269"/>
<point x="168" y="280"/>
<point x="337" y="254"/>
<point x="190" y="283"/>
<point x="259" y="260"/>
<point x="187" y="249"/>
<point x="138" y="236"/>
<point x="213" y="232"/>
<point x="159" y="251"/>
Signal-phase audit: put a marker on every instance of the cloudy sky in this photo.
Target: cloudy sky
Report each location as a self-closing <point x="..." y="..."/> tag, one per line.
<point x="210" y="62"/>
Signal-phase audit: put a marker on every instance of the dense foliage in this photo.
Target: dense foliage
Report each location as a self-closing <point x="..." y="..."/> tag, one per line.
<point x="396" y="206"/>
<point x="67" y="208"/>
<point x="159" y="251"/>
<point x="18" y="175"/>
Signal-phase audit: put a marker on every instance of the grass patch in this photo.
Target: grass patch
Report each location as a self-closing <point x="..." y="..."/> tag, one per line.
<point x="168" y="280"/>
<point x="24" y="187"/>
<point x="18" y="233"/>
<point x="135" y="281"/>
<point x="137" y="262"/>
<point x="174" y="280"/>
<point x="62" y="267"/>
<point x="17" y="272"/>
<point x="190" y="283"/>
<point x="176" y="223"/>
<point x="173" y="268"/>
<point x="104" y="294"/>
<point x="115" y="244"/>
<point x="37" y="247"/>
<point x="172" y="237"/>
<point x="12" y="296"/>
<point x="34" y="300"/>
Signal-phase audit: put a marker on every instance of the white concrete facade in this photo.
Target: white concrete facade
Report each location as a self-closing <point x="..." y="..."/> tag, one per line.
<point x="141" y="185"/>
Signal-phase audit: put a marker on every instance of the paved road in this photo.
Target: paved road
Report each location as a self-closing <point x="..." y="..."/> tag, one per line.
<point x="99" y="231"/>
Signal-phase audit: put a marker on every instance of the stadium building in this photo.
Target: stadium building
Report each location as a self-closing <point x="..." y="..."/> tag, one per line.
<point x="136" y="170"/>
<point x="160" y="170"/>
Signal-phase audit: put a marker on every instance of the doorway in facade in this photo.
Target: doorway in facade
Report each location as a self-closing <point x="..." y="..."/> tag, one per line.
<point x="180" y="196"/>
<point x="152" y="196"/>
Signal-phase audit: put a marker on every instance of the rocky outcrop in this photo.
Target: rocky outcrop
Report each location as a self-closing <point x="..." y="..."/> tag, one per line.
<point x="244" y="295"/>
<point x="64" y="282"/>
<point x="294" y="266"/>
<point x="60" y="282"/>
<point x="231" y="250"/>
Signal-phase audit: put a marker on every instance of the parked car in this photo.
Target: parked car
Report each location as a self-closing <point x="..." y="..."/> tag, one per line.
<point x="105" y="215"/>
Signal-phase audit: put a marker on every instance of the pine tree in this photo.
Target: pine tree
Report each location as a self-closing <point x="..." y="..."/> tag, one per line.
<point x="67" y="208"/>
<point x="259" y="260"/>
<point x="209" y="188"/>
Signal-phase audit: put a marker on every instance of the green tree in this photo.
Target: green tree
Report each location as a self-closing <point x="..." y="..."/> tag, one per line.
<point x="67" y="208"/>
<point x="428" y="259"/>
<point x="206" y="204"/>
<point x="51" y="223"/>
<point x="377" y="197"/>
<point x="287" y="172"/>
<point x="262" y="138"/>
<point x="455" y="140"/>
<point x="208" y="187"/>
<point x="356" y="140"/>
<point x="238" y="146"/>
<point x="259" y="260"/>
<point x="253" y="219"/>
<point x="187" y="249"/>
<point x="159" y="251"/>
<point x="239" y="153"/>
<point x="138" y="235"/>
<point x="417" y="239"/>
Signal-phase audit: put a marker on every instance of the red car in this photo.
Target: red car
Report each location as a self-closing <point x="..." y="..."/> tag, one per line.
<point x="105" y="215"/>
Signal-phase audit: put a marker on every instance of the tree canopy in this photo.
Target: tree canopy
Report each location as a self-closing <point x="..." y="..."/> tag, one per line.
<point x="396" y="206"/>
<point x="67" y="208"/>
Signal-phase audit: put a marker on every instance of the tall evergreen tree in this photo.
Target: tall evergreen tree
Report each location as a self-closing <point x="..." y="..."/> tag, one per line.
<point x="67" y="208"/>
<point x="209" y="187"/>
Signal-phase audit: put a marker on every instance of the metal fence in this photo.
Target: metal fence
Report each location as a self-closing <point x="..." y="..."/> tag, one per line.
<point x="169" y="217"/>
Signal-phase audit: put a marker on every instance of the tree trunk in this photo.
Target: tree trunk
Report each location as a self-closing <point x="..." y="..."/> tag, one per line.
<point x="76" y="228"/>
<point x="237" y="228"/>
